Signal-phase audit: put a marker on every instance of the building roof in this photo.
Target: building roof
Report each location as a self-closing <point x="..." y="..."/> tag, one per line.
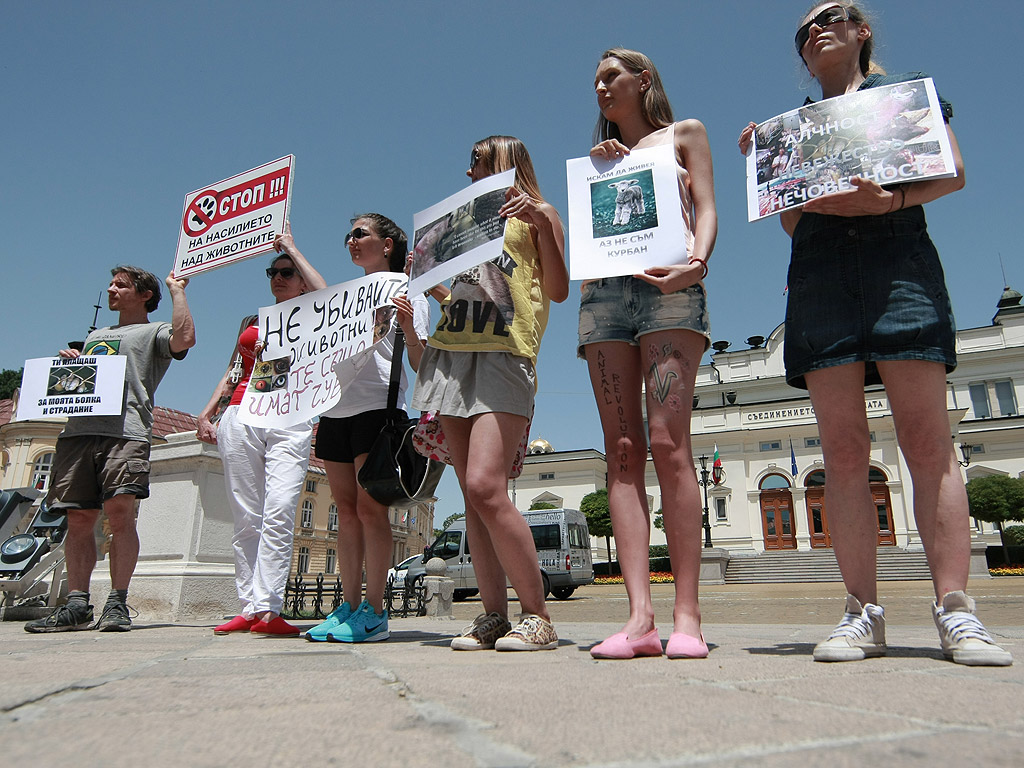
<point x="6" y="411"/>
<point x="167" y="421"/>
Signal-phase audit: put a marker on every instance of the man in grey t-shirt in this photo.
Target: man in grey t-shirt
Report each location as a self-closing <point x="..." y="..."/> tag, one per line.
<point x="102" y="462"/>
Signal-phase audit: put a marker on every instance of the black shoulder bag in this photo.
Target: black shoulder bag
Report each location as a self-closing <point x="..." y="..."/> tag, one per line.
<point x="394" y="474"/>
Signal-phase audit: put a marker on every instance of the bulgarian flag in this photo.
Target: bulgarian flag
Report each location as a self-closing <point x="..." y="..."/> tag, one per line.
<point x="716" y="468"/>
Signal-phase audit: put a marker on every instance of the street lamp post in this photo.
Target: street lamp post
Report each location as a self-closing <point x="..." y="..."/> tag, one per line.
<point x="705" y="480"/>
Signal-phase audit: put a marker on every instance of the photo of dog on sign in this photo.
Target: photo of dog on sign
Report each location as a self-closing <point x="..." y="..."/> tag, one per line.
<point x="623" y="205"/>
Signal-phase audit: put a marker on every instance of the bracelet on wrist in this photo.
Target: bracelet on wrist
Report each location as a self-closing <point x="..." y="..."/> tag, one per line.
<point x="704" y="266"/>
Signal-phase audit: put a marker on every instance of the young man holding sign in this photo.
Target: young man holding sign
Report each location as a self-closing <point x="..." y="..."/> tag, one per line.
<point x="102" y="462"/>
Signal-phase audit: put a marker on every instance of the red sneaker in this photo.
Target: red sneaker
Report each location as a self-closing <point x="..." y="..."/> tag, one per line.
<point x="237" y="624"/>
<point x="276" y="627"/>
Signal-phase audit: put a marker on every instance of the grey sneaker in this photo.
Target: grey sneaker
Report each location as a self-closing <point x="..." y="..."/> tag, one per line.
<point x="71" y="617"/>
<point x="481" y="635"/>
<point x="114" y="618"/>
<point x="964" y="638"/>
<point x="532" y="633"/>
<point x="860" y="634"/>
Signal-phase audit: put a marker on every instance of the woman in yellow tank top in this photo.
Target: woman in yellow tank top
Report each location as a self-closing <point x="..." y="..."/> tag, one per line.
<point x="478" y="373"/>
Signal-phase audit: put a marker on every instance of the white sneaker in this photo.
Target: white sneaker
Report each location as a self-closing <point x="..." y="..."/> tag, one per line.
<point x="860" y="634"/>
<point x="964" y="638"/>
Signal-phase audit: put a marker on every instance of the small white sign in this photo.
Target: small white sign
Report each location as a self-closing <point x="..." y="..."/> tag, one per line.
<point x="460" y="232"/>
<point x="624" y="216"/>
<point x="234" y="219"/>
<point x="84" y="386"/>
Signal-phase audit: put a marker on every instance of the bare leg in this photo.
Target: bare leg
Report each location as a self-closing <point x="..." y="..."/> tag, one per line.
<point x="616" y="376"/>
<point x="376" y="531"/>
<point x="482" y="456"/>
<point x="838" y="397"/>
<point x="124" y="544"/>
<point x="917" y="396"/>
<point x="342" y="479"/>
<point x="670" y="362"/>
<point x="80" y="548"/>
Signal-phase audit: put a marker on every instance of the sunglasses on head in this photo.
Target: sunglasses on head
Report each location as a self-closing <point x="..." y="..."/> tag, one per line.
<point x="286" y="272"/>
<point x="357" y="234"/>
<point x="833" y="15"/>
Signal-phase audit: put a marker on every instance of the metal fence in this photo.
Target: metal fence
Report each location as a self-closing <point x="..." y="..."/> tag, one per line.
<point x="309" y="600"/>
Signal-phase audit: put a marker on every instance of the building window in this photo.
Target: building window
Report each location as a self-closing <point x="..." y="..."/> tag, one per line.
<point x="771" y="445"/>
<point x="332" y="518"/>
<point x="720" y="513"/>
<point x="41" y="471"/>
<point x="332" y="561"/>
<point x="1005" y="399"/>
<point x="547" y="475"/>
<point x="311" y="486"/>
<point x="812" y="442"/>
<point x="303" y="559"/>
<point x="977" y="449"/>
<point x="307" y="513"/>
<point x="979" y="400"/>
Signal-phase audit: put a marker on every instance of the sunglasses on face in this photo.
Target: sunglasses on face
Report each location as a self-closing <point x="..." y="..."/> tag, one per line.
<point x="286" y="272"/>
<point x="833" y="15"/>
<point x="357" y="234"/>
<point x="474" y="158"/>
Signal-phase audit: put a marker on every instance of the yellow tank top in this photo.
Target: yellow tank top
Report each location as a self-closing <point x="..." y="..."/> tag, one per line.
<point x="498" y="306"/>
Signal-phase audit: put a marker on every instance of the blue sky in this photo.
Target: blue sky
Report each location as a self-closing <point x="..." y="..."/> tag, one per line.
<point x="114" y="111"/>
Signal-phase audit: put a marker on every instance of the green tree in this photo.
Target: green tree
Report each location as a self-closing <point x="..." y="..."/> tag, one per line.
<point x="448" y="521"/>
<point x="543" y="505"/>
<point x="997" y="499"/>
<point x="594" y="507"/>
<point x="659" y="520"/>
<point x="10" y="380"/>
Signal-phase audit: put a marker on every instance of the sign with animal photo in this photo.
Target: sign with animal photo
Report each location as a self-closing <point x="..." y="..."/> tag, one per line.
<point x="624" y="216"/>
<point x="234" y="219"/>
<point x="315" y="344"/>
<point x="459" y="233"/>
<point x="890" y="134"/>
<point x="83" y="386"/>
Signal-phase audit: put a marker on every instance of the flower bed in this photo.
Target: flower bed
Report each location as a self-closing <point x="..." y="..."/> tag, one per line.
<point x="1007" y="570"/>
<point x="659" y="577"/>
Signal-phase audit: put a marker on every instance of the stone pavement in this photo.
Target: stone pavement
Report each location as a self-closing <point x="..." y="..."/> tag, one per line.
<point x="178" y="695"/>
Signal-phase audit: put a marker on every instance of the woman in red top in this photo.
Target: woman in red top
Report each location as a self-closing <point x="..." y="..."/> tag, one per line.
<point x="264" y="468"/>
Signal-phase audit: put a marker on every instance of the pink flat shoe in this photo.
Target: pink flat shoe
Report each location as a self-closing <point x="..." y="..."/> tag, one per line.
<point x="682" y="646"/>
<point x="276" y="627"/>
<point x="619" y="646"/>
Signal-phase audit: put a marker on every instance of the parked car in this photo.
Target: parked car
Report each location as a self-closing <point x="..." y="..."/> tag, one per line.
<point x="563" y="553"/>
<point x="396" y="575"/>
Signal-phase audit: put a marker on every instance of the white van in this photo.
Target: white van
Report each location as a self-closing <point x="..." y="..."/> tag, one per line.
<point x="563" y="553"/>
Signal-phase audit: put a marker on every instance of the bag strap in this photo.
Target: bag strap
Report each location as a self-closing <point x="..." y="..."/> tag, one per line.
<point x="396" y="370"/>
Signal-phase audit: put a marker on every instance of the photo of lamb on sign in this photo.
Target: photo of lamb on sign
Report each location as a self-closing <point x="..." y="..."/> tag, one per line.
<point x="629" y="199"/>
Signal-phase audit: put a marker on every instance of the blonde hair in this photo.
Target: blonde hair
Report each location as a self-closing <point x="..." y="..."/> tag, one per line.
<point x="857" y="16"/>
<point x="502" y="153"/>
<point x="654" y="104"/>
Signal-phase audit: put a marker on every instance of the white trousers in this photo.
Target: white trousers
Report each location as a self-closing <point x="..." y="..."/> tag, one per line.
<point x="264" y="471"/>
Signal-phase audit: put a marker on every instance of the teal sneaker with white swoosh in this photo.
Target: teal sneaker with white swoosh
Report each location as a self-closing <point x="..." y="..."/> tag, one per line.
<point x="335" y="618"/>
<point x="364" y="626"/>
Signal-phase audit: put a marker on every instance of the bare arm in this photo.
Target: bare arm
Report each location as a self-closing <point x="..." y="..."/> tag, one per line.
<point x="548" y="237"/>
<point x="207" y="430"/>
<point x="413" y="342"/>
<point x="285" y="244"/>
<point x="694" y="151"/>
<point x="183" y="329"/>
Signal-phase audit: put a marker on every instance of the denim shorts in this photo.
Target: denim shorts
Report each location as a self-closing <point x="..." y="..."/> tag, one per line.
<point x="625" y="308"/>
<point x="864" y="289"/>
<point x="90" y="469"/>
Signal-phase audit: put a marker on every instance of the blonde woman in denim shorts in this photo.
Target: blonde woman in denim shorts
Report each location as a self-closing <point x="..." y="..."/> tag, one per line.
<point x="647" y="333"/>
